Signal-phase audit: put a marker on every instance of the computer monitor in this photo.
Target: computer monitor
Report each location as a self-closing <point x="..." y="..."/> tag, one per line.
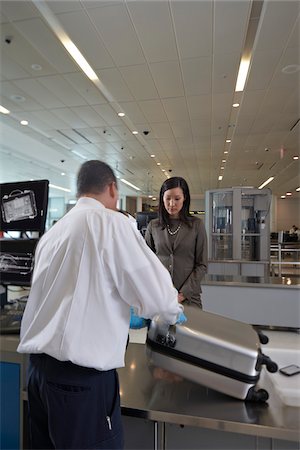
<point x="24" y="206"/>
<point x="16" y="261"/>
<point x="143" y="218"/>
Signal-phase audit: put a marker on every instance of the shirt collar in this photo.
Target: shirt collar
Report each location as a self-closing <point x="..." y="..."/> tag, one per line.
<point x="88" y="202"/>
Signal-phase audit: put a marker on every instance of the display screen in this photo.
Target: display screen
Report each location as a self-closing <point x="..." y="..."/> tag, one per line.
<point x="143" y="218"/>
<point x="17" y="261"/>
<point x="24" y="206"/>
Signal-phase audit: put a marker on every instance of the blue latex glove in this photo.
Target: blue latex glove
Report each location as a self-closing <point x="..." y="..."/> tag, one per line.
<point x="181" y="319"/>
<point x="137" y="322"/>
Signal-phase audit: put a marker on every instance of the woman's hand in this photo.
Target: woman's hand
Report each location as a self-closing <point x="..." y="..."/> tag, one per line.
<point x="181" y="297"/>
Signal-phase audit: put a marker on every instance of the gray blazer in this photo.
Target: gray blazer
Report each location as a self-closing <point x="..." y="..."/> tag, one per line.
<point x="187" y="260"/>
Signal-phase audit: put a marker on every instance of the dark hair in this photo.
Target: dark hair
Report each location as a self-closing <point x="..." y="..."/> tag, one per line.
<point x="93" y="177"/>
<point x="184" y="215"/>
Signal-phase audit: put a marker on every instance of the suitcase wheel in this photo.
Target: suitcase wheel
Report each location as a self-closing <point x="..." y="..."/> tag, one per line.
<point x="270" y="365"/>
<point x="263" y="339"/>
<point x="260" y="396"/>
<point x="267" y="361"/>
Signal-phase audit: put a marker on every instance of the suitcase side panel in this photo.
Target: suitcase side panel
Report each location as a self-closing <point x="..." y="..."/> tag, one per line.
<point x="199" y="375"/>
<point x="175" y="354"/>
<point x="240" y="358"/>
<point x="216" y="339"/>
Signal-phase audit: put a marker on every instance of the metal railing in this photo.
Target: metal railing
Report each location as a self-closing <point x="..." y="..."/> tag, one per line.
<point x="282" y="249"/>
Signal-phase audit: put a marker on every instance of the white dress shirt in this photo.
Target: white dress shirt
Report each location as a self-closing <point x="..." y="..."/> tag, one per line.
<point x="89" y="268"/>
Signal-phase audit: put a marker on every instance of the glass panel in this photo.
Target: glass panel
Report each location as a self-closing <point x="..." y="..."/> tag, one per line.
<point x="249" y="217"/>
<point x="222" y="212"/>
<point x="221" y="246"/>
<point x="250" y="246"/>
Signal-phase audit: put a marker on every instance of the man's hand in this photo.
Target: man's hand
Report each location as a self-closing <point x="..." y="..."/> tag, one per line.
<point x="181" y="297"/>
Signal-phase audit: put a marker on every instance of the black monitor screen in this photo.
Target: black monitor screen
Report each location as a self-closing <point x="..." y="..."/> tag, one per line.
<point x="24" y="205"/>
<point x="16" y="261"/>
<point x="144" y="217"/>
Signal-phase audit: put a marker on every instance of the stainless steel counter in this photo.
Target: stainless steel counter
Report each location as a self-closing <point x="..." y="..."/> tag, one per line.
<point x="156" y="395"/>
<point x="153" y="394"/>
<point x="235" y="280"/>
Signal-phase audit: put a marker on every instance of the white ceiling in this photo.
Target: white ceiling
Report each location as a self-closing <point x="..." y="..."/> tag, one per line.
<point x="171" y="66"/>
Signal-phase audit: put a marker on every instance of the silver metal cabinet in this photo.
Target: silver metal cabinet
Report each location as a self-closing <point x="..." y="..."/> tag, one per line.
<point x="238" y="229"/>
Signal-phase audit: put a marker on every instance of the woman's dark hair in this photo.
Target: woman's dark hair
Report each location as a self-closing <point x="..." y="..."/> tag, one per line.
<point x="93" y="177"/>
<point x="184" y="215"/>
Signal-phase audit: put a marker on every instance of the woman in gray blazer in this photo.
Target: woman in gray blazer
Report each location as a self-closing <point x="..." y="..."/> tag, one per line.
<point x="179" y="240"/>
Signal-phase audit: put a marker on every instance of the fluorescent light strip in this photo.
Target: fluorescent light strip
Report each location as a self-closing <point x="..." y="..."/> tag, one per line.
<point x="242" y="75"/>
<point x="53" y="186"/>
<point x="79" y="58"/>
<point x="4" y="110"/>
<point x="129" y="184"/>
<point x="266" y="182"/>
<point x="64" y="39"/>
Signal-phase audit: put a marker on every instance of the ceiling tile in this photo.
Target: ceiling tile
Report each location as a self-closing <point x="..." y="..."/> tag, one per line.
<point x="38" y="34"/>
<point x="153" y="110"/>
<point x="230" y="20"/>
<point x="176" y="109"/>
<point x="284" y="13"/>
<point x="133" y="110"/>
<point x="194" y="40"/>
<point x="62" y="89"/>
<point x="85" y="88"/>
<point x="115" y="28"/>
<point x="197" y="75"/>
<point x="18" y="10"/>
<point x="140" y="82"/>
<point x="113" y="81"/>
<point x="153" y="24"/>
<point x="167" y="78"/>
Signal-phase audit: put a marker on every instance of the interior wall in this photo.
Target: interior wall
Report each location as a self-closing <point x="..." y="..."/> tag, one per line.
<point x="197" y="204"/>
<point x="288" y="213"/>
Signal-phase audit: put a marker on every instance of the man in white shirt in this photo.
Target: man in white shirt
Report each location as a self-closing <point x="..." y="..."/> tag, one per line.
<point x="89" y="268"/>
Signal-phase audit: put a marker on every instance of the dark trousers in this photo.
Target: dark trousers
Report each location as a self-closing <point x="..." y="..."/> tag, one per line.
<point x="72" y="407"/>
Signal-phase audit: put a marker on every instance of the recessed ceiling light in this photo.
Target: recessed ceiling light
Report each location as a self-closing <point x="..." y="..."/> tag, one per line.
<point x="17" y="98"/>
<point x="158" y="164"/>
<point x="36" y="67"/>
<point x="291" y="68"/>
<point x="295" y="157"/>
<point x="63" y="173"/>
<point x="222" y="168"/>
<point x="228" y="140"/>
<point x="163" y="170"/>
<point x="152" y="156"/>
<point x="236" y="105"/>
<point x="282" y="196"/>
<point x="135" y="132"/>
<point x="225" y="152"/>
<point x="298" y="189"/>
<point x="220" y="177"/>
<point x="288" y="193"/>
<point x="121" y="114"/>
<point x="223" y="160"/>
<point x="24" y="122"/>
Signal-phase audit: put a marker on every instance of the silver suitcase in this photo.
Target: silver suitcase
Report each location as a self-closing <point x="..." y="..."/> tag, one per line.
<point x="220" y="353"/>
